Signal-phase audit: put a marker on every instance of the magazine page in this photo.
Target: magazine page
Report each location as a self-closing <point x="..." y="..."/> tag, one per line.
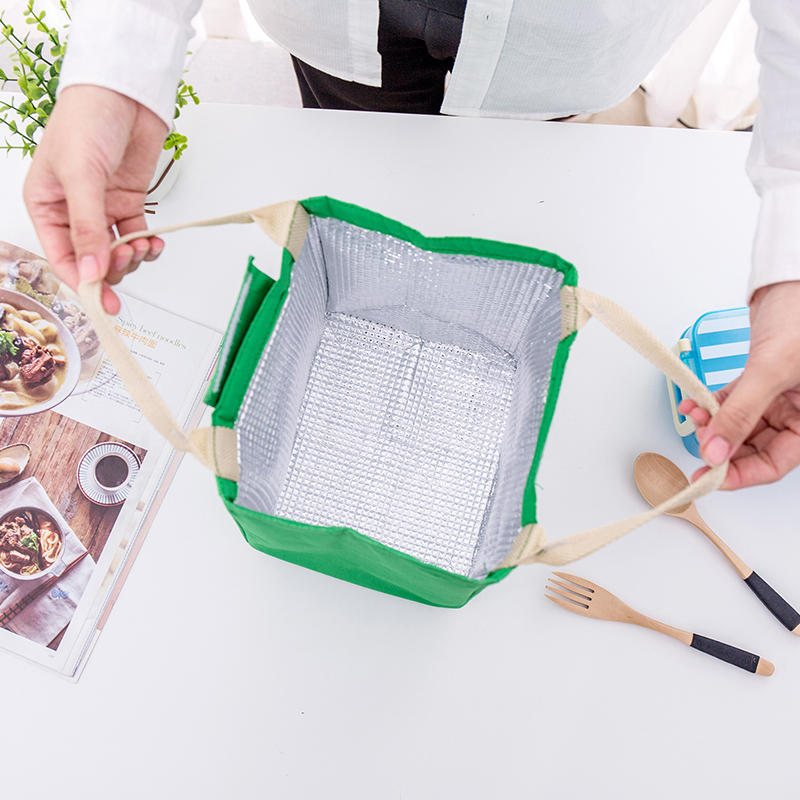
<point x="80" y="467"/>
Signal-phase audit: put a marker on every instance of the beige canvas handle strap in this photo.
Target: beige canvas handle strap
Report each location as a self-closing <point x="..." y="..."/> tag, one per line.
<point x="287" y="225"/>
<point x="578" y="306"/>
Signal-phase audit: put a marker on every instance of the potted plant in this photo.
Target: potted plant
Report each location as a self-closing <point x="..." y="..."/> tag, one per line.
<point x="37" y="54"/>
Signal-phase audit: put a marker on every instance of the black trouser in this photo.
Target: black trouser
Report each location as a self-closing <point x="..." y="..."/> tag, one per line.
<point x="417" y="40"/>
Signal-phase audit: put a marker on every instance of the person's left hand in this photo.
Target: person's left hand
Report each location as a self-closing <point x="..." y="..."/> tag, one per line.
<point x="89" y="177"/>
<point x="758" y="423"/>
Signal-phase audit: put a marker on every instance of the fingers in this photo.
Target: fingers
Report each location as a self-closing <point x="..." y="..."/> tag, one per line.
<point x="775" y="454"/>
<point x="698" y="473"/>
<point x="762" y="466"/>
<point x="699" y="416"/>
<point x="750" y="470"/>
<point x="87" y="175"/>
<point x="702" y="418"/>
<point x="688" y="407"/>
<point x="110" y="300"/>
<point x="57" y="247"/>
<point x="49" y="219"/>
<point x="741" y="409"/>
<point x="125" y="258"/>
<point x="744" y="450"/>
<point x="85" y="192"/>
<point x="156" y="248"/>
<point x="133" y="224"/>
<point x="121" y="258"/>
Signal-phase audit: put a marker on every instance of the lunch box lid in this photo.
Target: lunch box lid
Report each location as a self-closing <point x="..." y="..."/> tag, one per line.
<point x="715" y="348"/>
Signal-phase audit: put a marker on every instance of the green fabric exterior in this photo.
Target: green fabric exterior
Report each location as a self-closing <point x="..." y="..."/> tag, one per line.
<point x="457" y="245"/>
<point x="243" y="362"/>
<point x="257" y="284"/>
<point x="339" y="551"/>
<point x="529" y="499"/>
<point x="351" y="556"/>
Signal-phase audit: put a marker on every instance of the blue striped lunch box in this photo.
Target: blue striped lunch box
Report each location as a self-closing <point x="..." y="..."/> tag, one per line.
<point x="715" y="348"/>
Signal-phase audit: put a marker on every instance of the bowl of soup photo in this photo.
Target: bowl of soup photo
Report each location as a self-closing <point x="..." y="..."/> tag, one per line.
<point x="39" y="359"/>
<point x="31" y="543"/>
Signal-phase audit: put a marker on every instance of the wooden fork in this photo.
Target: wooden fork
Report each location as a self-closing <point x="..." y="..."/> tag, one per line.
<point x="584" y="597"/>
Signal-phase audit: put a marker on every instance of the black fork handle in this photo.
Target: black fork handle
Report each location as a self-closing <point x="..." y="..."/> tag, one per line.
<point x="733" y="655"/>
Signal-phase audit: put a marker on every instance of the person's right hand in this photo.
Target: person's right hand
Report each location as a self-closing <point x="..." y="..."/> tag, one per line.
<point x="90" y="173"/>
<point x="758" y="423"/>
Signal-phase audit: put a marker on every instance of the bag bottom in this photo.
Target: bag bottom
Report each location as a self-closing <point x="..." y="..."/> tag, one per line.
<point x="350" y="556"/>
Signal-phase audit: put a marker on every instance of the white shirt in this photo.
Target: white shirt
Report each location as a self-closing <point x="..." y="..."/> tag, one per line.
<point x="534" y="59"/>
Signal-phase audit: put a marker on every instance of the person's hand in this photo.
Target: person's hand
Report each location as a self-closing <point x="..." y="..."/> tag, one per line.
<point x="90" y="173"/>
<point x="758" y="424"/>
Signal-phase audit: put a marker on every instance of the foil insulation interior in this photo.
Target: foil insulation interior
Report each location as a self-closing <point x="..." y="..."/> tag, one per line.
<point x="401" y="394"/>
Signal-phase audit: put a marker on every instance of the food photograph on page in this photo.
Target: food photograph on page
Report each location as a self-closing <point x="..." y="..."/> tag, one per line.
<point x="62" y="487"/>
<point x="47" y="345"/>
<point x="81" y="470"/>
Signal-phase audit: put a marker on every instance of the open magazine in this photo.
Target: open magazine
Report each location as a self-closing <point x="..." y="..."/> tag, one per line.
<point x="81" y="470"/>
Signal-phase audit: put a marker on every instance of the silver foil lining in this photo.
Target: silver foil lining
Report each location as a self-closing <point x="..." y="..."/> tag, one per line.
<point x="399" y="438"/>
<point x="401" y="394"/>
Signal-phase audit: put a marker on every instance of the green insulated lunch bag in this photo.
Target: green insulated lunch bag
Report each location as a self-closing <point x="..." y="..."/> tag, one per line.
<point x="381" y="409"/>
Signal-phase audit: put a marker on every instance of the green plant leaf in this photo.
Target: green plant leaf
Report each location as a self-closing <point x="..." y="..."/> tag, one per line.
<point x="36" y="67"/>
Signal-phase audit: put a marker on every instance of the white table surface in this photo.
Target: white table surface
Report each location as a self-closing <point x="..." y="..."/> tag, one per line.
<point x="225" y="673"/>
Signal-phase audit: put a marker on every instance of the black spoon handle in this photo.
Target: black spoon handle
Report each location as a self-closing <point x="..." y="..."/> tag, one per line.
<point x="787" y="616"/>
<point x="733" y="655"/>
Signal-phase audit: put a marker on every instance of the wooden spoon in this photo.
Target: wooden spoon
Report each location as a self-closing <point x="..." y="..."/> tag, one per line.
<point x="658" y="479"/>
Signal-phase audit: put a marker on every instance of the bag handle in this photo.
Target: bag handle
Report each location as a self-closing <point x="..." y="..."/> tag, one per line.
<point x="578" y="306"/>
<point x="287" y="225"/>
